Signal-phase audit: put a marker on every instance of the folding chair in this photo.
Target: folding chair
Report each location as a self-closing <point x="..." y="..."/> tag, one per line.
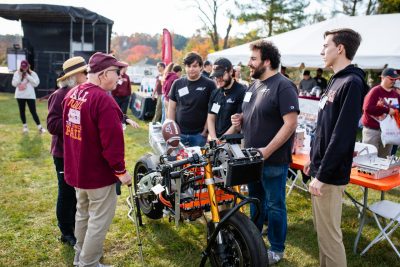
<point x="390" y="211"/>
<point x="291" y="181"/>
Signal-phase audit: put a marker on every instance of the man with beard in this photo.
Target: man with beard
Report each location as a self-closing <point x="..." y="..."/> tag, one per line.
<point x="225" y="101"/>
<point x="188" y="102"/>
<point x="333" y="146"/>
<point x="268" y="122"/>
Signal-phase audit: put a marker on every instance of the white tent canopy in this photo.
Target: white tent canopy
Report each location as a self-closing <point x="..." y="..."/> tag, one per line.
<point x="379" y="48"/>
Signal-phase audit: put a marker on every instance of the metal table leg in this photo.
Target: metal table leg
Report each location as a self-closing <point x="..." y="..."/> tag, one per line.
<point x="362" y="219"/>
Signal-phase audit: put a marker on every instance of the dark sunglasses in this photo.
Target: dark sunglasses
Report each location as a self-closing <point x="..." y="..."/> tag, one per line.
<point x="118" y="71"/>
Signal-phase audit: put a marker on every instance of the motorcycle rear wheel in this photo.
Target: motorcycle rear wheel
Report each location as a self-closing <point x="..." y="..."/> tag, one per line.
<point x="148" y="205"/>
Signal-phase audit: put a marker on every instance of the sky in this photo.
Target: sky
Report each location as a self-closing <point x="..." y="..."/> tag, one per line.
<point x="145" y="16"/>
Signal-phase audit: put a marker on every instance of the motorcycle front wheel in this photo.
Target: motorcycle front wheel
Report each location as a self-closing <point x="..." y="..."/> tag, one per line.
<point x="242" y="243"/>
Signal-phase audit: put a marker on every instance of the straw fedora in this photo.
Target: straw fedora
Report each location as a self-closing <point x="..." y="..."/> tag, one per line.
<point x="73" y="66"/>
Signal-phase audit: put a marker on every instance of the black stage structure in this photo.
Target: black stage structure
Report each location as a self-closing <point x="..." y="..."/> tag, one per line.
<point x="54" y="33"/>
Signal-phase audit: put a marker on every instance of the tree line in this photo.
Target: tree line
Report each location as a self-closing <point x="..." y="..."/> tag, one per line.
<point x="262" y="18"/>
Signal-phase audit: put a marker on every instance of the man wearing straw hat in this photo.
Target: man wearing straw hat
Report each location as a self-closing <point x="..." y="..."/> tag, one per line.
<point x="74" y="73"/>
<point x="94" y="155"/>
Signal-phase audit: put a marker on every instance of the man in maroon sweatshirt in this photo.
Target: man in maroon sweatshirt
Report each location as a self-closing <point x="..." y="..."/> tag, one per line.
<point x="382" y="100"/>
<point x="94" y="155"/>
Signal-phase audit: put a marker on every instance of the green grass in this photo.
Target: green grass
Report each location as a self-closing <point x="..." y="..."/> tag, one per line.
<point x="28" y="226"/>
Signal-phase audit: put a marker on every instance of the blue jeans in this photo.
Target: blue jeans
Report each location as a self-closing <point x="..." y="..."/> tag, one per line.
<point x="193" y="139"/>
<point x="271" y="191"/>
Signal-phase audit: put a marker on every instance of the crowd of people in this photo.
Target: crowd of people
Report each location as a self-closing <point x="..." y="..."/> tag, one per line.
<point x="87" y="115"/>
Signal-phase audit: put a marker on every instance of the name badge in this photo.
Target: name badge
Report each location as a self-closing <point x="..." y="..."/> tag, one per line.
<point x="247" y="97"/>
<point x="183" y="91"/>
<point x="215" y="108"/>
<point x="322" y="102"/>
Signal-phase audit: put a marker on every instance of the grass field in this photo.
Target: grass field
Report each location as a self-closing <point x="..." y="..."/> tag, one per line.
<point x="28" y="226"/>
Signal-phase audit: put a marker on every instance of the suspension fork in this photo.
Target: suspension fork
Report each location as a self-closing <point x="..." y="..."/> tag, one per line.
<point x="209" y="181"/>
<point x="236" y="189"/>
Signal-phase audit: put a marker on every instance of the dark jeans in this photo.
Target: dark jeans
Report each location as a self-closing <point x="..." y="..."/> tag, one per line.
<point x="271" y="191"/>
<point x="66" y="201"/>
<point x="394" y="150"/>
<point x="123" y="102"/>
<point x="32" y="109"/>
<point x="193" y="139"/>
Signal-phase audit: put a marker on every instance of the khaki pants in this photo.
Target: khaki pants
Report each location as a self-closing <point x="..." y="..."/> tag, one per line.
<point x="158" y="112"/>
<point x="327" y="211"/>
<point x="94" y="214"/>
<point x="373" y="137"/>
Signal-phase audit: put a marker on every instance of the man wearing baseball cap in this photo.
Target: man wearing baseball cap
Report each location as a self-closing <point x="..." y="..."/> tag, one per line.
<point x="225" y="101"/>
<point x="74" y="73"/>
<point x="94" y="155"/>
<point x="381" y="100"/>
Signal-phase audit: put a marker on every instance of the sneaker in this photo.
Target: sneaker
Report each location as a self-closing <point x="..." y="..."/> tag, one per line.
<point x="42" y="130"/>
<point x="25" y="130"/>
<point x="274" y="257"/>
<point x="76" y="258"/>
<point x="68" y="239"/>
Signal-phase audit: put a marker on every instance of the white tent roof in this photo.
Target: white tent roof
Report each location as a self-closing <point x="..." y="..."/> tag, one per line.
<point x="380" y="45"/>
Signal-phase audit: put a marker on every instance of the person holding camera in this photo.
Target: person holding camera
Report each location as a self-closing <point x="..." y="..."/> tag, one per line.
<point x="25" y="80"/>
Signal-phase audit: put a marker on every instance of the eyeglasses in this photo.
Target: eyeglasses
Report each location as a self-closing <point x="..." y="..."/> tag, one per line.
<point x="118" y="71"/>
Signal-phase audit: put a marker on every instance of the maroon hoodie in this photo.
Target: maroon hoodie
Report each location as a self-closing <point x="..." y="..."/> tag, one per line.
<point x="123" y="89"/>
<point x="169" y="80"/>
<point x="93" y="138"/>
<point x="377" y="102"/>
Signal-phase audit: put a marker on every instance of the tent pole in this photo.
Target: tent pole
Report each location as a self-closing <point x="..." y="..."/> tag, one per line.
<point x="71" y="29"/>
<point x="107" y="33"/>
<point x="93" y="38"/>
<point x="83" y="34"/>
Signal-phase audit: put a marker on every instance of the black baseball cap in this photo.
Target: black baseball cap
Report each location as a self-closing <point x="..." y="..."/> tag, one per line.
<point x="220" y="66"/>
<point x="392" y="73"/>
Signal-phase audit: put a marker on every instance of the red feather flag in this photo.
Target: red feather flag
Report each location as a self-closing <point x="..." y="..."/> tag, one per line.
<point x="166" y="47"/>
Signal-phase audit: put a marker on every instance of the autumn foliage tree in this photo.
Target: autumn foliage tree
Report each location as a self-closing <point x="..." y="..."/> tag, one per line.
<point x="199" y="44"/>
<point x="139" y="52"/>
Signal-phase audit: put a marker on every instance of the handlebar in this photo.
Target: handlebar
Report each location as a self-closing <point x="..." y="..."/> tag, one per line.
<point x="178" y="163"/>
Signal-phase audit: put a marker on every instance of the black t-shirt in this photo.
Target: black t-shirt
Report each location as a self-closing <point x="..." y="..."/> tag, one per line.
<point x="191" y="99"/>
<point x="205" y="74"/>
<point x="264" y="105"/>
<point x="321" y="82"/>
<point x="224" y="103"/>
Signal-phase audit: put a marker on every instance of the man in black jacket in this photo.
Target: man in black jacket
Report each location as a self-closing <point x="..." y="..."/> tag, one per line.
<point x="332" y="148"/>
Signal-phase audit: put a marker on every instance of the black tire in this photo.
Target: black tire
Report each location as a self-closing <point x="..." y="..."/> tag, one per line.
<point x="147" y="204"/>
<point x="242" y="243"/>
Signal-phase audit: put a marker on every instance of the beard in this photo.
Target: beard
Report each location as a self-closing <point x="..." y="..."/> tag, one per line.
<point x="258" y="71"/>
<point x="227" y="82"/>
